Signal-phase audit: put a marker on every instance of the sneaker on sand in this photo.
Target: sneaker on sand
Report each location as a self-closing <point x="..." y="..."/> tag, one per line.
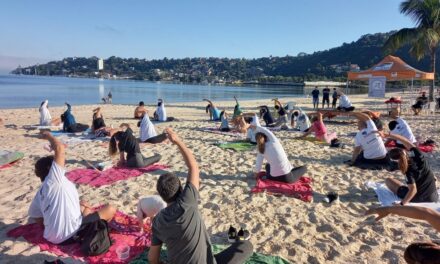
<point x="232" y="234"/>
<point x="243" y="234"/>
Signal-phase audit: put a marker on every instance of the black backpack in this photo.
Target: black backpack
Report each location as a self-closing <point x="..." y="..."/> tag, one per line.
<point x="95" y="238"/>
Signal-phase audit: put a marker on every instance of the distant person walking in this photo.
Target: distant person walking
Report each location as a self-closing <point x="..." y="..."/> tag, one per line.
<point x="326" y="97"/>
<point x="335" y="98"/>
<point x="315" y="96"/>
<point x="109" y="97"/>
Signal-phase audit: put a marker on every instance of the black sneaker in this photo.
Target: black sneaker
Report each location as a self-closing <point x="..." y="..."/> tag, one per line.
<point x="243" y="234"/>
<point x="232" y="234"/>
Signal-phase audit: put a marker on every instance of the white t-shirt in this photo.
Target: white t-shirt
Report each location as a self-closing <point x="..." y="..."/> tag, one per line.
<point x="274" y="154"/>
<point x="344" y="101"/>
<point x="45" y="117"/>
<point x="371" y="143"/>
<point x="147" y="129"/>
<point x="57" y="201"/>
<point x="302" y="121"/>
<point x="161" y="112"/>
<point x="404" y="130"/>
<point x="150" y="206"/>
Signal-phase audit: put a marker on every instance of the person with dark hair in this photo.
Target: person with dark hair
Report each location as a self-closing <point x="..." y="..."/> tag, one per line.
<point x="422" y="252"/>
<point x="315" y="97"/>
<point x="278" y="167"/>
<point x="300" y="121"/>
<point x="375" y="117"/>
<point x="180" y="225"/>
<point x="126" y="142"/>
<point x="344" y="102"/>
<point x="369" y="151"/>
<point x="45" y="117"/>
<point x="148" y="133"/>
<point x="98" y="124"/>
<point x="399" y="126"/>
<point x="266" y="116"/>
<point x="319" y="129"/>
<point x="335" y="98"/>
<point x="67" y="118"/>
<point x="420" y="102"/>
<point x="214" y="113"/>
<point x="237" y="109"/>
<point x="420" y="182"/>
<point x="224" y="126"/>
<point x="140" y="110"/>
<point x="326" y="97"/>
<point x="56" y="203"/>
<point x="282" y="115"/>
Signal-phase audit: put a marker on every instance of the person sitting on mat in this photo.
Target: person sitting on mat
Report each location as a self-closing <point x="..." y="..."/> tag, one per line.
<point x="98" y="124"/>
<point x="278" y="167"/>
<point x="369" y="151"/>
<point x="266" y="116"/>
<point x="180" y="225"/>
<point x="421" y="252"/>
<point x="420" y="182"/>
<point x="148" y="132"/>
<point x="282" y="115"/>
<point x="140" y="110"/>
<point x="399" y="126"/>
<point x="125" y="142"/>
<point x="214" y="113"/>
<point x="161" y="113"/>
<point x="45" y="117"/>
<point x="56" y="204"/>
<point x="69" y="123"/>
<point x="300" y="121"/>
<point x="344" y="102"/>
<point x="319" y="129"/>
<point x="149" y="207"/>
<point x="420" y="102"/>
<point x="237" y="109"/>
<point x="224" y="126"/>
<point x="250" y="134"/>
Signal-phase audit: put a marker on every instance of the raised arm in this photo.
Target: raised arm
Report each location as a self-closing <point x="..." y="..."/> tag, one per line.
<point x="408" y="145"/>
<point x="361" y="116"/>
<point x="209" y="101"/>
<point x="69" y="107"/>
<point x="190" y="161"/>
<point x="414" y="212"/>
<point x="277" y="102"/>
<point x="57" y="146"/>
<point x="236" y="101"/>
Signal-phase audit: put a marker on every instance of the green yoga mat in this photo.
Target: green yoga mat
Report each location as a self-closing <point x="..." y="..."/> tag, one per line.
<point x="256" y="258"/>
<point x="237" y="146"/>
<point x="7" y="157"/>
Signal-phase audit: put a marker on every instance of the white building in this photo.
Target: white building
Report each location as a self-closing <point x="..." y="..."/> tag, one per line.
<point x="100" y="64"/>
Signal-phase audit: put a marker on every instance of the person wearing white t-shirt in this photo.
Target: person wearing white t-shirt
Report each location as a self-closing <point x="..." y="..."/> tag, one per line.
<point x="45" y="117"/>
<point x="399" y="126"/>
<point x="56" y="203"/>
<point x="250" y="135"/>
<point x="344" y="102"/>
<point x="278" y="167"/>
<point x="369" y="151"/>
<point x="161" y="113"/>
<point x="148" y="133"/>
<point x="301" y="120"/>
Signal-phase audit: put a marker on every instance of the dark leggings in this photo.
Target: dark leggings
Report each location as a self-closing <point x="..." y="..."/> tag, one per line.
<point x="427" y="252"/>
<point x="225" y="129"/>
<point x="139" y="161"/>
<point x="157" y="139"/>
<point x="375" y="164"/>
<point x="346" y="109"/>
<point x="290" y="177"/>
<point x="237" y="253"/>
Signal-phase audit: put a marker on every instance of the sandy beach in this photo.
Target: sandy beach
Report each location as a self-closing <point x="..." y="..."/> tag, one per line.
<point x="301" y="232"/>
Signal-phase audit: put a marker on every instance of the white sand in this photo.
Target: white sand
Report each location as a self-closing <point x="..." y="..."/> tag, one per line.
<point x="300" y="232"/>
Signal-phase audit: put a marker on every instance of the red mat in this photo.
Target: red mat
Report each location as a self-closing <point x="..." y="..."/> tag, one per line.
<point x="123" y="231"/>
<point x="300" y="189"/>
<point x="422" y="147"/>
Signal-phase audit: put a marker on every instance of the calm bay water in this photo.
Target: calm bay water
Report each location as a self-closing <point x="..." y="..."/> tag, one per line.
<point x="29" y="91"/>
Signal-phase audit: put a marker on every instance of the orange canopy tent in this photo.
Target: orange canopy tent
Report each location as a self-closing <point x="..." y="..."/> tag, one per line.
<point x="394" y="69"/>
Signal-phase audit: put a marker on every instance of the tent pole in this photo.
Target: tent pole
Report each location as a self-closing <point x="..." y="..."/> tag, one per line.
<point x="412" y="84"/>
<point x="346" y="87"/>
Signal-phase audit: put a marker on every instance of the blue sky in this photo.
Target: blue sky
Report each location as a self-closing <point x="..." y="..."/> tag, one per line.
<point x="37" y="31"/>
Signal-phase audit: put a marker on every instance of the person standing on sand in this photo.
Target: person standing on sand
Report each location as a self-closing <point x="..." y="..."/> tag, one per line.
<point x="315" y="97"/>
<point x="180" y="225"/>
<point x="326" y="97"/>
<point x="335" y="98"/>
<point x="422" y="252"/>
<point x="56" y="203"/>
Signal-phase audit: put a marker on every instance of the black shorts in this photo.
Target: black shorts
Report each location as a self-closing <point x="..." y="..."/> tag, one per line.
<point x="402" y="191"/>
<point x="87" y="220"/>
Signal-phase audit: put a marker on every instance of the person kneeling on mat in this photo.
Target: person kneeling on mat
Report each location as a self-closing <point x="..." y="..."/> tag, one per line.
<point x="126" y="142"/>
<point x="182" y="214"/>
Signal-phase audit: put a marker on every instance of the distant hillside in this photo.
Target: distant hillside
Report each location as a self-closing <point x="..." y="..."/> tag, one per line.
<point x="330" y="64"/>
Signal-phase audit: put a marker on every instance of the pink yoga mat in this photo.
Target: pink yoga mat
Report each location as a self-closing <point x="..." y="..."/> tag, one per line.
<point x="100" y="178"/>
<point x="423" y="148"/>
<point x="123" y="231"/>
<point x="300" y="189"/>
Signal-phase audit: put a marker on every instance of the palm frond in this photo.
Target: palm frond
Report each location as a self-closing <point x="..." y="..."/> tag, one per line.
<point x="399" y="39"/>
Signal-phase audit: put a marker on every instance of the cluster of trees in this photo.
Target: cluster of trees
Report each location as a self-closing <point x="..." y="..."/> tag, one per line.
<point x="330" y="64"/>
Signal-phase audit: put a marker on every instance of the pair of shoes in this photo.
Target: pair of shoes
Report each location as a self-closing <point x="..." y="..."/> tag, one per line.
<point x="233" y="236"/>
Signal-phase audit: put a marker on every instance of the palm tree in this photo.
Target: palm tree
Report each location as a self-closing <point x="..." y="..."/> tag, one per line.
<point x="423" y="39"/>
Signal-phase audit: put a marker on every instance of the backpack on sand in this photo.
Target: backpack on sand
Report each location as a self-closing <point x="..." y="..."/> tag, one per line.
<point x="95" y="238"/>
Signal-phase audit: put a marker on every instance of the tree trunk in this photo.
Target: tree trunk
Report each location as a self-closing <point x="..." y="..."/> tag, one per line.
<point x="431" y="89"/>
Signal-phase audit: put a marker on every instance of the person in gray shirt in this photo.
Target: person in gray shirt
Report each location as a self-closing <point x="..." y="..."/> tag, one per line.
<point x="180" y="225"/>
